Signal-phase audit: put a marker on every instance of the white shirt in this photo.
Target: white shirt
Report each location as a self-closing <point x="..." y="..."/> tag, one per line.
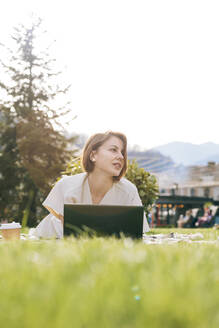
<point x="75" y="190"/>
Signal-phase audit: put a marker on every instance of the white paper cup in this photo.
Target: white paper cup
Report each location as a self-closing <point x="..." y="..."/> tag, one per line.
<point x="10" y="230"/>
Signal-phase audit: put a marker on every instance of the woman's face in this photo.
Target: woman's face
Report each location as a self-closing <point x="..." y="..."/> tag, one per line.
<point x="108" y="158"/>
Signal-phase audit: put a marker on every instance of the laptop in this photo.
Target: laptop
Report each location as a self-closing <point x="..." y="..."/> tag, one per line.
<point x="103" y="220"/>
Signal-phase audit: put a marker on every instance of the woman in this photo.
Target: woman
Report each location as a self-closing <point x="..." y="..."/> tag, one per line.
<point x="104" y="161"/>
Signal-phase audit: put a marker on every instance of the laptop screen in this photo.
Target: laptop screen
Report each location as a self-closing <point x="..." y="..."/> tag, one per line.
<point x="103" y="220"/>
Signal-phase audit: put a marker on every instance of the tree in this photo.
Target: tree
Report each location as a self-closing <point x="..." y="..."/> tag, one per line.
<point x="33" y="148"/>
<point x="145" y="182"/>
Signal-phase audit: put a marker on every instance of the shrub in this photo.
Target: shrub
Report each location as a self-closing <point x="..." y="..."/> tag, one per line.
<point x="145" y="182"/>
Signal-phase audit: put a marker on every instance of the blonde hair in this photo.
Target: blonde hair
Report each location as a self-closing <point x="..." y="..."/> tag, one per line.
<point x="94" y="142"/>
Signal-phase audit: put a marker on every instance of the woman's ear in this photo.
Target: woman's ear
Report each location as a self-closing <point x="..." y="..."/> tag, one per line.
<point x="92" y="156"/>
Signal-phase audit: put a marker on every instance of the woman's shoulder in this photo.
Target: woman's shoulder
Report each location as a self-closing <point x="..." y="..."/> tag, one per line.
<point x="76" y="179"/>
<point x="126" y="186"/>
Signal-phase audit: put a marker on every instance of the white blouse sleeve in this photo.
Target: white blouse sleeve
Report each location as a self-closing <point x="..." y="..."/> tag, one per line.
<point x="55" y="199"/>
<point x="136" y="200"/>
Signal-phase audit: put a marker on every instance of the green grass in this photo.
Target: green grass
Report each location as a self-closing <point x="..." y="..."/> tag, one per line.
<point x="109" y="283"/>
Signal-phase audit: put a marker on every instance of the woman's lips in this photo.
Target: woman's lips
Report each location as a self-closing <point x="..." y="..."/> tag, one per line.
<point x="118" y="166"/>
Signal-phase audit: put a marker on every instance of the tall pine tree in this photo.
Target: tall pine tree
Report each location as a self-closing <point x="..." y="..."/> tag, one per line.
<point x="32" y="151"/>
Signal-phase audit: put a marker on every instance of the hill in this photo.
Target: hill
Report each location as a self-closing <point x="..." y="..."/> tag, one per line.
<point x="152" y="161"/>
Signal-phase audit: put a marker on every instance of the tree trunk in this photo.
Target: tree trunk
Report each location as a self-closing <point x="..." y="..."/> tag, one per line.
<point x="26" y="212"/>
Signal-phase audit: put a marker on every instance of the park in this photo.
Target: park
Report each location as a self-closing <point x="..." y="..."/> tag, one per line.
<point x="169" y="278"/>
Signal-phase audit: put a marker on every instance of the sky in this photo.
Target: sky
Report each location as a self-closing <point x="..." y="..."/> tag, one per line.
<point x="149" y="69"/>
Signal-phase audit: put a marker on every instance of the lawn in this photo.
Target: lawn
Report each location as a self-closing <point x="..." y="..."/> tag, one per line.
<point x="104" y="282"/>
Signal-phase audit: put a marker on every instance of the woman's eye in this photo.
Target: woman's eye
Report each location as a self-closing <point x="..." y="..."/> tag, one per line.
<point x="113" y="149"/>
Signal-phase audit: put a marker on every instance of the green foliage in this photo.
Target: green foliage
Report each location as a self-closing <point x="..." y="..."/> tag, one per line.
<point x="32" y="151"/>
<point x="73" y="167"/>
<point x="145" y="182"/>
<point x="104" y="282"/>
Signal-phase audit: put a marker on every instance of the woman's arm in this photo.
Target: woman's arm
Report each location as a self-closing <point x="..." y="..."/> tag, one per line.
<point x="54" y="202"/>
<point x="59" y="216"/>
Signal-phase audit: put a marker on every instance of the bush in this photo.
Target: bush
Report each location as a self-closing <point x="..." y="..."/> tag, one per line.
<point x="145" y="182"/>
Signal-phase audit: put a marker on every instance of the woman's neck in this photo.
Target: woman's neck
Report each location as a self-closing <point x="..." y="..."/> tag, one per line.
<point x="99" y="185"/>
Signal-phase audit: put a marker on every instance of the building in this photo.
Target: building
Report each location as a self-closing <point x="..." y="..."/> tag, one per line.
<point x="199" y="186"/>
<point x="201" y="181"/>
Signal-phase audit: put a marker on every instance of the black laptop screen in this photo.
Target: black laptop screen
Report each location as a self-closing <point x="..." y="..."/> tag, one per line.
<point x="104" y="220"/>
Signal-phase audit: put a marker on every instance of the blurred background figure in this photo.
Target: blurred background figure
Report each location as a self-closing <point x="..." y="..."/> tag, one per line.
<point x="181" y="221"/>
<point x="216" y="219"/>
<point x="187" y="221"/>
<point x="207" y="220"/>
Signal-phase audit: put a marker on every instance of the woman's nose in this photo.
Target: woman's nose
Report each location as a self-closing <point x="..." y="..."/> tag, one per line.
<point x="120" y="156"/>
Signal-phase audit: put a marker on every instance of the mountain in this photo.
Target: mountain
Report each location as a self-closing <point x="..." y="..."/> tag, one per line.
<point x="190" y="154"/>
<point x="153" y="161"/>
<point x="163" y="167"/>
